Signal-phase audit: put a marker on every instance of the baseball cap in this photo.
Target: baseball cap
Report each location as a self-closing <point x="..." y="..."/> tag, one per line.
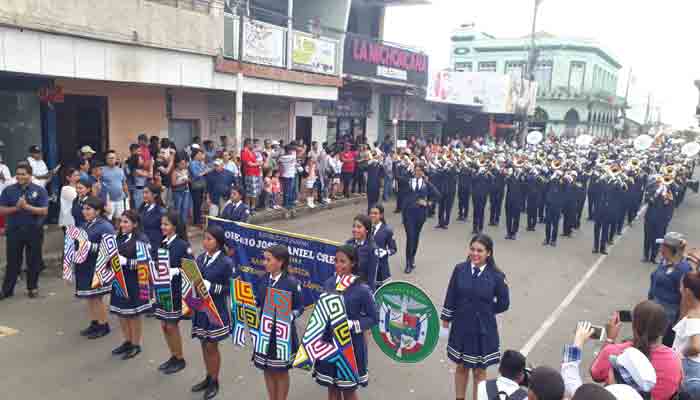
<point x="87" y="149"/>
<point x="633" y="368"/>
<point x="195" y="146"/>
<point x="275" y="143"/>
<point x="672" y="239"/>
<point x="34" y="149"/>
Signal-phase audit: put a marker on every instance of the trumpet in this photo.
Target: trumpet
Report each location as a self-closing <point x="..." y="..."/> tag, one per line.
<point x="555" y="164"/>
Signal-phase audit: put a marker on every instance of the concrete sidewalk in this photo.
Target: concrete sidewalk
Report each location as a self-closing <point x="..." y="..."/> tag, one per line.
<point x="53" y="238"/>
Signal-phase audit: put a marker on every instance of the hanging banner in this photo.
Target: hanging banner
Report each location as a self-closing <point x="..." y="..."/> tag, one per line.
<point x="317" y="55"/>
<point x="264" y="43"/>
<point x="312" y="260"/>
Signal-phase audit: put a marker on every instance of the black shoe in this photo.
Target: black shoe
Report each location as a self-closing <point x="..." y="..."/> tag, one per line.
<point x="553" y="244"/>
<point x="123" y="348"/>
<point x="175" y="366"/>
<point x="397" y="211"/>
<point x="101" y="330"/>
<point x="545" y="243"/>
<point x="604" y="252"/>
<point x="133" y="351"/>
<point x="33" y="293"/>
<point x="165" y="365"/>
<point x="201" y="386"/>
<point x="87" y="331"/>
<point x="595" y="251"/>
<point x="443" y="227"/>
<point x="212" y="390"/>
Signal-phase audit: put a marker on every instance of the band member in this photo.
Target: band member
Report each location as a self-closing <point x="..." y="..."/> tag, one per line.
<point x="129" y="308"/>
<point x="476" y="293"/>
<point x="481" y="184"/>
<point x="415" y="212"/>
<point x="95" y="226"/>
<point x="84" y="190"/>
<point x="555" y="202"/>
<point x="152" y="211"/>
<point x="383" y="236"/>
<point x="277" y="371"/>
<point x="402" y="178"/>
<point x="514" y="204"/>
<point x="374" y="173"/>
<point x="659" y="211"/>
<point x="594" y="188"/>
<point x="447" y="200"/>
<point x="580" y="186"/>
<point x="235" y="209"/>
<point x="175" y="242"/>
<point x="217" y="270"/>
<point x="569" y="208"/>
<point x="602" y="217"/>
<point x="464" y="188"/>
<point x="496" y="192"/>
<point x="367" y="260"/>
<point x="533" y="200"/>
<point x="362" y="316"/>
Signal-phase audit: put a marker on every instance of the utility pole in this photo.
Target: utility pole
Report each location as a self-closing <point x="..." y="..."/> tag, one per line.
<point x="531" y="64"/>
<point x="647" y="118"/>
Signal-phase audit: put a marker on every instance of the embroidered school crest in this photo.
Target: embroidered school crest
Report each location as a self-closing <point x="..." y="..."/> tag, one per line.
<point x="409" y="325"/>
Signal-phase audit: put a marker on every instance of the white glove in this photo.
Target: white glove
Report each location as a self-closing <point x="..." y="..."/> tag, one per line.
<point x="207" y="284"/>
<point x="355" y="326"/>
<point x="173" y="272"/>
<point x="381" y="253"/>
<point x="123" y="261"/>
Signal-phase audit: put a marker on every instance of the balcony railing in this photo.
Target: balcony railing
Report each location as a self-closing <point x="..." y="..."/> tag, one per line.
<point x="269" y="44"/>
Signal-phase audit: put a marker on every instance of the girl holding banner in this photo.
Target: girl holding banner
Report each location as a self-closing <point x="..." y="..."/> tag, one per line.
<point x="95" y="226"/>
<point x="130" y="307"/>
<point x="367" y="262"/>
<point x="151" y="212"/>
<point x="362" y="316"/>
<point x="217" y="270"/>
<point x="84" y="189"/>
<point x="175" y="242"/>
<point x="383" y="236"/>
<point x="277" y="371"/>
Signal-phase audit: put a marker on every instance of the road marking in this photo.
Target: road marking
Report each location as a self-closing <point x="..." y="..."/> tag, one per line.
<point x="7" y="331"/>
<point x="554" y="316"/>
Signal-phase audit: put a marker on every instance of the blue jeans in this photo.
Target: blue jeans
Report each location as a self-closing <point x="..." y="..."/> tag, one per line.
<point x="288" y="193"/>
<point x="182" y="202"/>
<point x="691" y="380"/>
<point x="388" y="185"/>
<point x="137" y="198"/>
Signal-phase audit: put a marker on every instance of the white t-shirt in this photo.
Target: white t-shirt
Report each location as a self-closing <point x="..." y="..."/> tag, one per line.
<point x="65" y="216"/>
<point x="288" y="165"/>
<point x="5" y="177"/>
<point x="39" y="168"/>
<point x="685" y="329"/>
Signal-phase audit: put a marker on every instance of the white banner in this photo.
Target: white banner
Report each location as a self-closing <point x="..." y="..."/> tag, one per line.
<point x="317" y="55"/>
<point x="264" y="44"/>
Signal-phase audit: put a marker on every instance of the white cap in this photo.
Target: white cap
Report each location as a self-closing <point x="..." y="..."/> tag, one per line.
<point x="194" y="146"/>
<point x="87" y="149"/>
<point x="623" y="392"/>
<point x="635" y="369"/>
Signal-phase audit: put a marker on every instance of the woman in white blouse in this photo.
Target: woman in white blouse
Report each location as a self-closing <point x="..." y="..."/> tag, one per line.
<point x="687" y="341"/>
<point x="68" y="194"/>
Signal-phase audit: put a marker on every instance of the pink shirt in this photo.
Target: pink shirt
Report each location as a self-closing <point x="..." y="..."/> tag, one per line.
<point x="664" y="360"/>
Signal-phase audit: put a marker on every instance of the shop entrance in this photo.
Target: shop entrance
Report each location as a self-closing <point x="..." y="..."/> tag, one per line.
<point x="303" y="131"/>
<point x="81" y="121"/>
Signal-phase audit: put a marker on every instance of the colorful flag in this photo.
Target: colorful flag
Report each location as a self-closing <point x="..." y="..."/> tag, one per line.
<point x="104" y="274"/>
<point x="160" y="275"/>
<point x="197" y="296"/>
<point x="143" y="259"/>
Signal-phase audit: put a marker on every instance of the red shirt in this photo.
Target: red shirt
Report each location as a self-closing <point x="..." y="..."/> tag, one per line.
<point x="248" y="157"/>
<point x="145" y="154"/>
<point x="664" y="360"/>
<point x="348" y="159"/>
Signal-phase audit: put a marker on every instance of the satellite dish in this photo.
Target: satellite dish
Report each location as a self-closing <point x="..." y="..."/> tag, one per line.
<point x="690" y="149"/>
<point x="534" y="137"/>
<point x="643" y="142"/>
<point x="584" y="140"/>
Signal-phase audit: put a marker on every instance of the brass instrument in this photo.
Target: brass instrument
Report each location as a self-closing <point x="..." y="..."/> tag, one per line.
<point x="556" y="164"/>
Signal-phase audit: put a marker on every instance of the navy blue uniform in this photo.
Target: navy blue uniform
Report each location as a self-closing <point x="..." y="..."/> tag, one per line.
<point x="471" y="305"/>
<point x="218" y="270"/>
<point x="23" y="229"/>
<point x="514" y="204"/>
<point x="84" y="272"/>
<point x="481" y="186"/>
<point x="374" y="173"/>
<point x="151" y="215"/>
<point x="359" y="305"/>
<point x="291" y="285"/>
<point x="496" y="197"/>
<point x="533" y="201"/>
<point x="178" y="249"/>
<point x="131" y="305"/>
<point x="570" y="204"/>
<point x="219" y="184"/>
<point x="664" y="289"/>
<point x="447" y="198"/>
<point x="367" y="262"/>
<point x="603" y="217"/>
<point x="555" y="199"/>
<point x="238" y="212"/>
<point x="594" y="188"/>
<point x="414" y="214"/>
<point x="656" y="220"/>
<point x="464" y="188"/>
<point x="383" y="237"/>
<point x="581" y="185"/>
<point x="77" y="210"/>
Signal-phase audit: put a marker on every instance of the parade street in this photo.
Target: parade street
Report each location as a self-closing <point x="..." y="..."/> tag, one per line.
<point x="551" y="289"/>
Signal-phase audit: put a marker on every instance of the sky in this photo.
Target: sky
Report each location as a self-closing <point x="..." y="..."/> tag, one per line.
<point x="653" y="38"/>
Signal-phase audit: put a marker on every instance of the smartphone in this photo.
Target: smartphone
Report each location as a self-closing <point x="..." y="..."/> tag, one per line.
<point x="625" y="315"/>
<point x="598" y="333"/>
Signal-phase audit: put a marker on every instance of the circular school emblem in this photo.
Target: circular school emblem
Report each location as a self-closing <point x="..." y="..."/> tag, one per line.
<point x="409" y="324"/>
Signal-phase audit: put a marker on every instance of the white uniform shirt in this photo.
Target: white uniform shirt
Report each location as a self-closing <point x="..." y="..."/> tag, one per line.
<point x="39" y="168"/>
<point x="503" y="385"/>
<point x="5" y="177"/>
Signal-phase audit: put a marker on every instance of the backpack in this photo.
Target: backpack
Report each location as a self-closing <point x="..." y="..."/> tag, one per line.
<point x="492" y="392"/>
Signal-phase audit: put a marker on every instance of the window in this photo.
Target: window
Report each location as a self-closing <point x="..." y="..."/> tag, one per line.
<point x="463" y="66"/>
<point x="543" y="76"/>
<point x="487" y="66"/>
<point x="202" y="6"/>
<point x="515" y="69"/>
<point x="577" y="75"/>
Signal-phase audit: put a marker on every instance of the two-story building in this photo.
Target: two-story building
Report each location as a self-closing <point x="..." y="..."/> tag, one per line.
<point x="577" y="79"/>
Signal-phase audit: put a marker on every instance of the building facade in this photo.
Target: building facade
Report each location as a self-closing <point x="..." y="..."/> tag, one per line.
<point x="577" y="79"/>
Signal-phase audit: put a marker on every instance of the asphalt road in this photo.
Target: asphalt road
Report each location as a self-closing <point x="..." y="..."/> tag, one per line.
<point x="46" y="358"/>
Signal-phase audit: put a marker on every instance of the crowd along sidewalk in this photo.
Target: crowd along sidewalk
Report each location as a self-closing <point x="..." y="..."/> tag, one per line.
<point x="53" y="238"/>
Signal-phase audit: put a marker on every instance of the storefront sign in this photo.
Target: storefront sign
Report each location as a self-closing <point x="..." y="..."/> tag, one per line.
<point x="366" y="57"/>
<point x="264" y="44"/>
<point x="318" y="55"/>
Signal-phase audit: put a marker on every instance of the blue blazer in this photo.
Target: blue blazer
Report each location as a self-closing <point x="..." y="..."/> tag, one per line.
<point x="150" y="223"/>
<point x="239" y="213"/>
<point x="472" y="304"/>
<point x="423" y="192"/>
<point x="384" y="239"/>
<point x="367" y="262"/>
<point x="77" y="210"/>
